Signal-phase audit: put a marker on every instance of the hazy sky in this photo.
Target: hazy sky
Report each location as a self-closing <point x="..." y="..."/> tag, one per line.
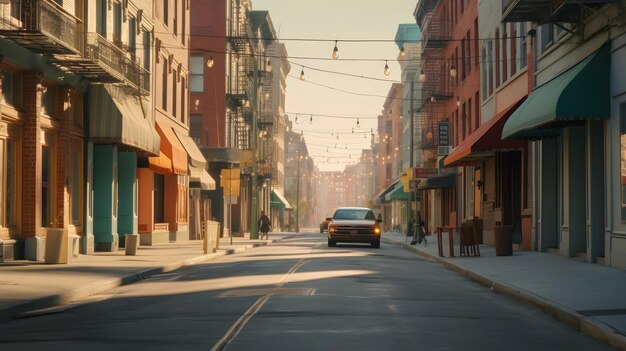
<point x="337" y="20"/>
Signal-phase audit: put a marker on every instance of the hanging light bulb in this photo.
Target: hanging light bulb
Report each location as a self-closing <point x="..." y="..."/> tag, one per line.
<point x="358" y="124"/>
<point x="402" y="52"/>
<point x="352" y="130"/>
<point x="311" y="120"/>
<point x="302" y="74"/>
<point x="335" y="51"/>
<point x="296" y="121"/>
<point x="386" y="71"/>
<point x="364" y="135"/>
<point x="432" y="99"/>
<point x="458" y="101"/>
<point x="268" y="66"/>
<point x="422" y="76"/>
<point x="210" y="62"/>
<point x="452" y="71"/>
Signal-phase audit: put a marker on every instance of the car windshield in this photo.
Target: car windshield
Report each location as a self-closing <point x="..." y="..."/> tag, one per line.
<point x="354" y="214"/>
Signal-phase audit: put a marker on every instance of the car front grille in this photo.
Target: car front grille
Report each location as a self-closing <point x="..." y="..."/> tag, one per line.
<point x="349" y="229"/>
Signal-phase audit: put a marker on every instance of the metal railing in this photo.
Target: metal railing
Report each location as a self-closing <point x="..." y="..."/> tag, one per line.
<point x="114" y="60"/>
<point x="46" y="17"/>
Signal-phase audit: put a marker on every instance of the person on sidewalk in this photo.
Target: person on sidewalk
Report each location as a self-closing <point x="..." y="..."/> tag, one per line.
<point x="264" y="225"/>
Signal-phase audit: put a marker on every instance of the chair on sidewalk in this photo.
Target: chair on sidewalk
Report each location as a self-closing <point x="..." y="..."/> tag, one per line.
<point x="469" y="242"/>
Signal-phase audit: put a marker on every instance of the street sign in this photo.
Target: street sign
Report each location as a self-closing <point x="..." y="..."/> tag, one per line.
<point x="425" y="172"/>
<point x="230" y="181"/>
<point x="444" y="133"/>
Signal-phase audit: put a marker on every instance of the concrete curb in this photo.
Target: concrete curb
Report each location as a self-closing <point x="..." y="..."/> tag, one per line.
<point x="13" y="311"/>
<point x="587" y="325"/>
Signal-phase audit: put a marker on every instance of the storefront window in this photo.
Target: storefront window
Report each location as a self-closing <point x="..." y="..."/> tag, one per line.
<point x="622" y="115"/>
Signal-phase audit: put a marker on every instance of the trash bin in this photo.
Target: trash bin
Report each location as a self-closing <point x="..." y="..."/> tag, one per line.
<point x="131" y="243"/>
<point x="503" y="236"/>
<point x="56" y="246"/>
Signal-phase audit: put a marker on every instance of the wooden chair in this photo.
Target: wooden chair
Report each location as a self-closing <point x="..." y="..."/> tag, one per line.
<point x="469" y="245"/>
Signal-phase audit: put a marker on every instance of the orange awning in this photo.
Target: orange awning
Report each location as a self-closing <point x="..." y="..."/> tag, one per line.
<point x="161" y="163"/>
<point x="484" y="140"/>
<point x="172" y="148"/>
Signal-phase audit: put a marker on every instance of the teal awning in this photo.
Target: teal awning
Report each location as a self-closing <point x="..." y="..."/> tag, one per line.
<point x="398" y="194"/>
<point x="578" y="94"/>
<point x="380" y="198"/>
<point x="277" y="200"/>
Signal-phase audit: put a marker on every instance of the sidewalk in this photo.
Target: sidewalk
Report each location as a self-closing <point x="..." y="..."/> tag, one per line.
<point x="27" y="286"/>
<point x="589" y="297"/>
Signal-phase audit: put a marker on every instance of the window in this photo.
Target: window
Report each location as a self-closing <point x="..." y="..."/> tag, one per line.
<point x="196" y="82"/>
<point x="497" y="63"/>
<point x="164" y="83"/>
<point x="547" y="36"/>
<point x="117" y="23"/>
<point x="522" y="44"/>
<point x="46" y="186"/>
<point x="175" y="94"/>
<point x="101" y="17"/>
<point x="183" y="198"/>
<point x="10" y="88"/>
<point x="484" y="79"/>
<point x="468" y="52"/>
<point x="49" y="102"/>
<point x="490" y="67"/>
<point x="132" y="37"/>
<point x="184" y="24"/>
<point x="175" y="17"/>
<point x="146" y="51"/>
<point x="622" y="122"/>
<point x="15" y="9"/>
<point x="514" y="40"/>
<point x="505" y="55"/>
<point x="195" y="128"/>
<point x="183" y="100"/>
<point x="166" y="12"/>
<point x="10" y="199"/>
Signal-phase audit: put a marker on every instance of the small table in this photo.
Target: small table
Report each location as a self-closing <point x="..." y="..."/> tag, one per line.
<point x="450" y="230"/>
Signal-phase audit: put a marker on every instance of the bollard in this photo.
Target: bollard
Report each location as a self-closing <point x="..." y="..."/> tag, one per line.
<point x="131" y="244"/>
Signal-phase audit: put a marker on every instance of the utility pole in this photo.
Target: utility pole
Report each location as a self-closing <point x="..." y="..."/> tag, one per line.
<point x="298" y="191"/>
<point x="254" y="205"/>
<point x="412" y="142"/>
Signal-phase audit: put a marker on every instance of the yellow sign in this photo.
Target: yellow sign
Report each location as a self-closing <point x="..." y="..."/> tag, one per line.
<point x="229" y="180"/>
<point x="405" y="179"/>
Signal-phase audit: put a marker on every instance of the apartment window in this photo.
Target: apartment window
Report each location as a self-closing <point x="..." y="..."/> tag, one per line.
<point x="183" y="100"/>
<point x="465" y="122"/>
<point x="175" y="94"/>
<point x="469" y="116"/>
<point x="184" y="23"/>
<point x="195" y="128"/>
<point x="182" y="198"/>
<point x="477" y="109"/>
<point x="166" y="12"/>
<point x="497" y="63"/>
<point x="522" y="44"/>
<point x="490" y="66"/>
<point x="175" y="17"/>
<point x="117" y="23"/>
<point x="10" y="88"/>
<point x="463" y="58"/>
<point x="15" y="9"/>
<point x="476" y="41"/>
<point x="132" y="36"/>
<point x="513" y="44"/>
<point x="101" y="17"/>
<point x="388" y="171"/>
<point x="622" y="120"/>
<point x="547" y="36"/>
<point x="146" y="51"/>
<point x="196" y="71"/>
<point x="164" y="83"/>
<point x="468" y="52"/>
<point x="505" y="50"/>
<point x="484" y="76"/>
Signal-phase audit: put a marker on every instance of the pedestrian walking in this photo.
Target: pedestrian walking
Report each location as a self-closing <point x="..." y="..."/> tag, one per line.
<point x="264" y="225"/>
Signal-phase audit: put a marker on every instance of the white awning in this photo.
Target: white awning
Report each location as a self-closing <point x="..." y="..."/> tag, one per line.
<point x="195" y="155"/>
<point x="200" y="178"/>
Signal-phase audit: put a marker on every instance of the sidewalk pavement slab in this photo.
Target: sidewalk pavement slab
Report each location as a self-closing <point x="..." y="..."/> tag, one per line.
<point x="589" y="297"/>
<point x="26" y="286"/>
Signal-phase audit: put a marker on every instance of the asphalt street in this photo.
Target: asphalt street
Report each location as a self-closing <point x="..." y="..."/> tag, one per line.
<point x="298" y="294"/>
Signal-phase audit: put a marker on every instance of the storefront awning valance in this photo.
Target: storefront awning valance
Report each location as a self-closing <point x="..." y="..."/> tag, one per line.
<point x="580" y="93"/>
<point x="380" y="197"/>
<point x="160" y="164"/>
<point x="200" y="178"/>
<point x="172" y="148"/>
<point x="195" y="155"/>
<point x="398" y="194"/>
<point x="443" y="181"/>
<point x="484" y="140"/>
<point x="228" y="155"/>
<point x="279" y="201"/>
<point x="116" y="117"/>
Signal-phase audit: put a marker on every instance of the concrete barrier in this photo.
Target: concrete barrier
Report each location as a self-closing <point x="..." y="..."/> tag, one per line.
<point x="211" y="237"/>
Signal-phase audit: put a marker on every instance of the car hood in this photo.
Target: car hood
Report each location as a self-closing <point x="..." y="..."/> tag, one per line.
<point x="353" y="222"/>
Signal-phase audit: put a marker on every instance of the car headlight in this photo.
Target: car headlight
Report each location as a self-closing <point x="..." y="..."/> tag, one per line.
<point x="331" y="229"/>
<point x="376" y="230"/>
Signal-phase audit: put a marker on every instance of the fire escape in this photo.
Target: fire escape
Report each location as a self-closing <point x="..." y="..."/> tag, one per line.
<point x="239" y="96"/>
<point x="436" y="88"/>
<point x="45" y="27"/>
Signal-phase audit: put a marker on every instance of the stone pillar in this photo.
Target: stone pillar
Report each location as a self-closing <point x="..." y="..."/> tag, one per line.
<point x="61" y="191"/>
<point x="105" y="198"/>
<point x="32" y="90"/>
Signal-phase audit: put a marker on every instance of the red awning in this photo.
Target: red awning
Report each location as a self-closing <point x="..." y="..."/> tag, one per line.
<point x="484" y="140"/>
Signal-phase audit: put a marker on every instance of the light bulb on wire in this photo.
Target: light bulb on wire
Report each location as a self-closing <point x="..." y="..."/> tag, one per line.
<point x="452" y="71"/>
<point x="210" y="62"/>
<point x="335" y="51"/>
<point x="422" y="76"/>
<point x="268" y="66"/>
<point x="302" y="74"/>
<point x="402" y="52"/>
<point x="387" y="71"/>
<point x="311" y="120"/>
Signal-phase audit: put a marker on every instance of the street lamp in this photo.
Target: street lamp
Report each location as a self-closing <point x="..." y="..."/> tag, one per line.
<point x="298" y="192"/>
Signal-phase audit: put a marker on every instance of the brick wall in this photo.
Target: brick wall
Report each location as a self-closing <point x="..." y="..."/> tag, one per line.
<point x="31" y="154"/>
<point x="61" y="215"/>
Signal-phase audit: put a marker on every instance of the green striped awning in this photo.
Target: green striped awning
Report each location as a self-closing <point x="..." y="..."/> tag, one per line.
<point x="398" y="194"/>
<point x="116" y="117"/>
<point x="578" y="94"/>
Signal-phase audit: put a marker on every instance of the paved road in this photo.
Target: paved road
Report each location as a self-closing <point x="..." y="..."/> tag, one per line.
<point x="299" y="295"/>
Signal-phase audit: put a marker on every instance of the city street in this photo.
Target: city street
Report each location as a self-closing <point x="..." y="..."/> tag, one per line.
<point x="299" y="294"/>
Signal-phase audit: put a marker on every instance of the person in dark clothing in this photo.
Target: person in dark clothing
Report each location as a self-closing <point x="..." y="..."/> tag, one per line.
<point x="264" y="224"/>
<point x="409" y="228"/>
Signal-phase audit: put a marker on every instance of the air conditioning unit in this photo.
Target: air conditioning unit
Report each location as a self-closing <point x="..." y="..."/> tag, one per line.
<point x="443" y="150"/>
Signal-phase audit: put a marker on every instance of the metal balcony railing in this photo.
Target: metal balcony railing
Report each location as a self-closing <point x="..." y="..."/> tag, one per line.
<point x="113" y="59"/>
<point x="42" y="26"/>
